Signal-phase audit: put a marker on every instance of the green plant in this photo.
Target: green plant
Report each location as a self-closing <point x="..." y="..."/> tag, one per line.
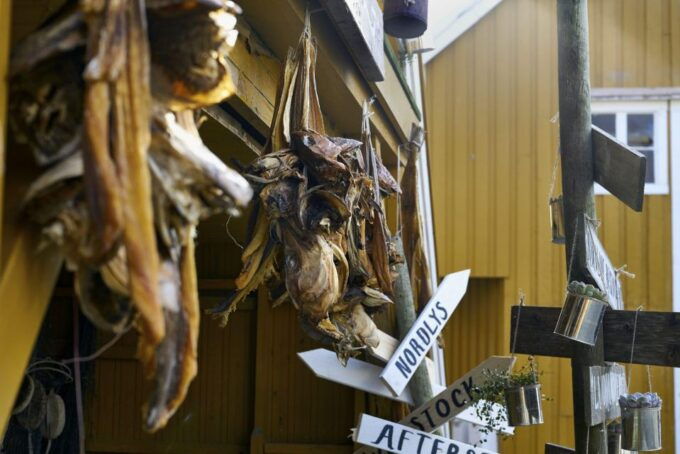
<point x="492" y="391"/>
<point x="580" y="288"/>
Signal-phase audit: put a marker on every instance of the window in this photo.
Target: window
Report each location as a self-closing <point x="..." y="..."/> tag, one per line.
<point x="643" y="126"/>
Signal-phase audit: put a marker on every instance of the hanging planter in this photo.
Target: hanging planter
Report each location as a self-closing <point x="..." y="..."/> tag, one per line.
<point x="518" y="392"/>
<point x="557" y="220"/>
<point x="582" y="313"/>
<point x="405" y="18"/>
<point x="523" y="404"/>
<point x="641" y="421"/>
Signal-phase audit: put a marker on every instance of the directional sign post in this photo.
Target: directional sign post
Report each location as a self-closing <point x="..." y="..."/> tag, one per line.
<point x="357" y="374"/>
<point x="423" y="334"/>
<point x="393" y="437"/>
<point x="601" y="269"/>
<point x="452" y="401"/>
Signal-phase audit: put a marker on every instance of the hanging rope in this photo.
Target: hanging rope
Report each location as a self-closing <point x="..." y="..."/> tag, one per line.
<point x="632" y="344"/>
<point x="573" y="250"/>
<point x="98" y="353"/>
<point x="623" y="272"/>
<point x="79" y="391"/>
<point x="553" y="179"/>
<point x="522" y="298"/>
<point x="399" y="219"/>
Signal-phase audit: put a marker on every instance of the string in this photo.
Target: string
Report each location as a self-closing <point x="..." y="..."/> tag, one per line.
<point x="573" y="251"/>
<point x="232" y="236"/>
<point x="522" y="297"/>
<point x="98" y="353"/>
<point x="399" y="192"/>
<point x="553" y="180"/>
<point x="649" y="377"/>
<point x="623" y="272"/>
<point x="632" y="346"/>
<point x="79" y="391"/>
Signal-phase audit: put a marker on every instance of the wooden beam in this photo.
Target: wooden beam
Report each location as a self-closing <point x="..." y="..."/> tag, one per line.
<point x="26" y="286"/>
<point x="577" y="188"/>
<point x="342" y="88"/>
<point x="5" y="14"/>
<point x="255" y="76"/>
<point x="159" y="447"/>
<point x="361" y="27"/>
<point x="557" y="449"/>
<point x="303" y="448"/>
<point x="657" y="338"/>
<point x="619" y="169"/>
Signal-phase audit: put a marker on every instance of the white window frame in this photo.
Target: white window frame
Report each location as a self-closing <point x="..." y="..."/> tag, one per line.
<point x="660" y="111"/>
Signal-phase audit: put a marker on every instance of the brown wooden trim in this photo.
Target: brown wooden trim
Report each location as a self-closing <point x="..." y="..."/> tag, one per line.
<point x="5" y="15"/>
<point x="26" y="285"/>
<point x="161" y="447"/>
<point x="657" y="338"/>
<point x="301" y="448"/>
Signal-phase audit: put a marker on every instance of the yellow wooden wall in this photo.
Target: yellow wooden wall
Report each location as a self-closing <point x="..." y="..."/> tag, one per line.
<point x="490" y="99"/>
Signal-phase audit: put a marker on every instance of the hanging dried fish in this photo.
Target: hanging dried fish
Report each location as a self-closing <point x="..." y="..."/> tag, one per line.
<point x="319" y="206"/>
<point x="129" y="178"/>
<point x="411" y="229"/>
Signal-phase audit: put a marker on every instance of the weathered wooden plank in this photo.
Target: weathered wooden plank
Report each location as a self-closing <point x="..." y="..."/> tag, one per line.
<point x="26" y="285"/>
<point x="360" y="24"/>
<point x="302" y="448"/>
<point x="573" y="61"/>
<point x="154" y="447"/>
<point x="557" y="449"/>
<point x="5" y="7"/>
<point x="386" y="435"/>
<point x="420" y="334"/>
<point x="619" y="169"/>
<point x="657" y="339"/>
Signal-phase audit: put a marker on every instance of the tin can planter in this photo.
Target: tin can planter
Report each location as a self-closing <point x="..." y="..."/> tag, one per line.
<point x="559" y="235"/>
<point x="641" y="422"/>
<point x="523" y="404"/>
<point x="405" y="18"/>
<point x="581" y="315"/>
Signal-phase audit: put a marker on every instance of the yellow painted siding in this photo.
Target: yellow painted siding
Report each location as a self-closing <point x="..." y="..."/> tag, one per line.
<point x="490" y="98"/>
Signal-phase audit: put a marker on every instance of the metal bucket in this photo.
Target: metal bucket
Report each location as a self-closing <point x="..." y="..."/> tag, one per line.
<point x="405" y="18"/>
<point x="524" y="405"/>
<point x="641" y="429"/>
<point x="581" y="318"/>
<point x="559" y="235"/>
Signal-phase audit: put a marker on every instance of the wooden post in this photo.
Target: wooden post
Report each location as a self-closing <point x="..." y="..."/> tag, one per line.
<point x="577" y="186"/>
<point x="5" y="16"/>
<point x="420" y="385"/>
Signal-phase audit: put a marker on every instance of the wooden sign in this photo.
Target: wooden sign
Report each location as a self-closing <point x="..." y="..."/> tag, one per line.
<point x="619" y="169"/>
<point x="657" y="338"/>
<point x="357" y="374"/>
<point x="557" y="449"/>
<point x="393" y="437"/>
<point x="360" y="24"/>
<point x="455" y="402"/>
<point x="386" y="347"/>
<point x="601" y="269"/>
<point x="456" y="398"/>
<point x="606" y="384"/>
<point x="423" y="334"/>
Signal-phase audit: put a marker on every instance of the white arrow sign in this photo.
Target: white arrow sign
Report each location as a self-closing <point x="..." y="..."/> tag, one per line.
<point x="357" y="374"/>
<point x="423" y="334"/>
<point x="454" y="401"/>
<point x="394" y="437"/>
